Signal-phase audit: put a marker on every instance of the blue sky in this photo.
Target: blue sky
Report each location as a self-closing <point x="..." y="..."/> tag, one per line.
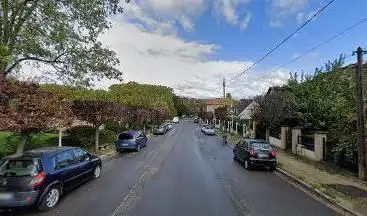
<point x="191" y="44"/>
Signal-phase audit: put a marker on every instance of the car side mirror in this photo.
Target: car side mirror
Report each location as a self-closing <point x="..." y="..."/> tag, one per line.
<point x="87" y="157"/>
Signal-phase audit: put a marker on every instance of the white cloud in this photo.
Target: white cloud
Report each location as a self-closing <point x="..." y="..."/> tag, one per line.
<point x="229" y="9"/>
<point x="149" y="57"/>
<point x="303" y="17"/>
<point x="280" y="10"/>
<point x="289" y="5"/>
<point x="152" y="14"/>
<point x="245" y="22"/>
<point x="276" y="23"/>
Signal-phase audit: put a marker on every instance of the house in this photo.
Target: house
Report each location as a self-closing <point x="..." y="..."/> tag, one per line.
<point x="244" y="108"/>
<point x="212" y="104"/>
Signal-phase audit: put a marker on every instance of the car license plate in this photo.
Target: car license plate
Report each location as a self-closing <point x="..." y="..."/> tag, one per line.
<point x="263" y="156"/>
<point x="6" y="196"/>
<point x="125" y="144"/>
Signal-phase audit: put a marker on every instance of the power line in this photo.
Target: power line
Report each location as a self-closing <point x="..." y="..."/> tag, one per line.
<point x="285" y="40"/>
<point x="324" y="43"/>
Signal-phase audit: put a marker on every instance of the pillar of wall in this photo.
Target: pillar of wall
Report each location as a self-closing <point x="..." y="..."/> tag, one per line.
<point x="283" y="137"/>
<point x="253" y="132"/>
<point x="319" y="142"/>
<point x="236" y="128"/>
<point x="267" y="134"/>
<point x="296" y="132"/>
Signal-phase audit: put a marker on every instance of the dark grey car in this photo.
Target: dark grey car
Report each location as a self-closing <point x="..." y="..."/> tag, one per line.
<point x="255" y="153"/>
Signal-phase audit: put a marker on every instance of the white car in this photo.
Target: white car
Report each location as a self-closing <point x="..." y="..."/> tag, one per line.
<point x="170" y="126"/>
<point x="176" y="120"/>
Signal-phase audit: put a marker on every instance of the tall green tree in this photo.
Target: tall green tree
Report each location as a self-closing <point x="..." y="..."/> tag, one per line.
<point x="60" y="33"/>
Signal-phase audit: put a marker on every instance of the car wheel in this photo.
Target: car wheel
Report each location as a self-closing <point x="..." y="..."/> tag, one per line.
<point x="97" y="172"/>
<point x="51" y="199"/>
<point x="137" y="148"/>
<point x="247" y="165"/>
<point x="273" y="168"/>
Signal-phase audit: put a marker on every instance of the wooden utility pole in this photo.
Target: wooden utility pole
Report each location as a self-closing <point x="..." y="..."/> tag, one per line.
<point x="361" y="129"/>
<point x="224" y="87"/>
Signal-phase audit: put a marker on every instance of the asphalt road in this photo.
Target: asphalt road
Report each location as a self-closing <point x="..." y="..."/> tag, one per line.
<point x="184" y="173"/>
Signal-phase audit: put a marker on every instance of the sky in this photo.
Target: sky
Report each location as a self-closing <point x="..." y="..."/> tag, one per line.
<point x="191" y="45"/>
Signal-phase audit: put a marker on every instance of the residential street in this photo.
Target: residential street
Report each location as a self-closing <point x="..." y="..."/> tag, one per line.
<point x="184" y="173"/>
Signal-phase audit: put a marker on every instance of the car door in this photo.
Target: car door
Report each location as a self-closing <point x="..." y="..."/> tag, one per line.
<point x="138" y="138"/>
<point x="244" y="150"/>
<point x="144" y="139"/>
<point x="82" y="163"/>
<point x="237" y="149"/>
<point x="64" y="166"/>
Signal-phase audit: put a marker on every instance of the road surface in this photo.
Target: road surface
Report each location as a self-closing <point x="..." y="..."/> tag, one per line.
<point x="184" y="173"/>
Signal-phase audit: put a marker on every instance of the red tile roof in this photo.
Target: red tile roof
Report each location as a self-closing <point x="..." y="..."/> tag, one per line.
<point x="218" y="101"/>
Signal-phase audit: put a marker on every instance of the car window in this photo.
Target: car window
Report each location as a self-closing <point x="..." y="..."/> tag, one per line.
<point x="79" y="155"/>
<point x="245" y="144"/>
<point x="20" y="167"/>
<point x="125" y="136"/>
<point x="260" y="145"/>
<point x="64" y="159"/>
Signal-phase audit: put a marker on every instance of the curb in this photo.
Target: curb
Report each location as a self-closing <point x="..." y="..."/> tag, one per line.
<point x="320" y="194"/>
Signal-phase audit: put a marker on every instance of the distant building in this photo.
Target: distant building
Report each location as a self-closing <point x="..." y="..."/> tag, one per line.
<point x="212" y="104"/>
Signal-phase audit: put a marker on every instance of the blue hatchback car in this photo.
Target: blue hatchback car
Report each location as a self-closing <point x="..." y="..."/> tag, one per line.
<point x="131" y="140"/>
<point x="40" y="176"/>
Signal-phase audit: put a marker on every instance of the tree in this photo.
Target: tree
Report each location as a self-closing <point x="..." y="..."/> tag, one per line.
<point x="97" y="113"/>
<point x="32" y="110"/>
<point x="62" y="34"/>
<point x="221" y="113"/>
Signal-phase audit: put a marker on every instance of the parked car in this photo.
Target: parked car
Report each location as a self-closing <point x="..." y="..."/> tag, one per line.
<point x="161" y="129"/>
<point x="255" y="153"/>
<point x="169" y="126"/>
<point x="208" y="130"/>
<point x="203" y="127"/>
<point x="131" y="140"/>
<point x="196" y="120"/>
<point x="176" y="119"/>
<point x="40" y="176"/>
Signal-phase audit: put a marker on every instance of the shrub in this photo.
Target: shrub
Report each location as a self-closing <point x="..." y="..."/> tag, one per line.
<point x="82" y="136"/>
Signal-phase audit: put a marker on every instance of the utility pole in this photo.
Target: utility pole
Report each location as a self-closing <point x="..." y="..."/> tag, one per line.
<point x="361" y="130"/>
<point x="224" y="87"/>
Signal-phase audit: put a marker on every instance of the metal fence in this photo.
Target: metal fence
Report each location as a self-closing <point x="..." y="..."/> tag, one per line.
<point x="307" y="140"/>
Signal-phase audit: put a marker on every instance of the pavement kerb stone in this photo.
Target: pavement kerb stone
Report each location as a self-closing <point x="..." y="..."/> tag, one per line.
<point x="317" y="192"/>
<point x="111" y="154"/>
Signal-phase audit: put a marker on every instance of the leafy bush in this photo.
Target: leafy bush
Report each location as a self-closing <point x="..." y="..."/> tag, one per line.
<point x="82" y="136"/>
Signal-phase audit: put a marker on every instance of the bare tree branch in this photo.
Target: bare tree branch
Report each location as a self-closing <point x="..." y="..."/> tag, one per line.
<point x="55" y="60"/>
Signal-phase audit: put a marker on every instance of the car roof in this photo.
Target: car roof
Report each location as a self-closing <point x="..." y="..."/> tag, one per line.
<point x="39" y="152"/>
<point x="130" y="132"/>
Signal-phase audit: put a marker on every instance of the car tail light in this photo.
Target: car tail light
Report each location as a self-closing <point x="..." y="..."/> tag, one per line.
<point x="38" y="179"/>
<point x="252" y="152"/>
<point x="273" y="153"/>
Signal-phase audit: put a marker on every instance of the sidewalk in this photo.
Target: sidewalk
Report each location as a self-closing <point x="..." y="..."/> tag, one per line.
<point x="341" y="187"/>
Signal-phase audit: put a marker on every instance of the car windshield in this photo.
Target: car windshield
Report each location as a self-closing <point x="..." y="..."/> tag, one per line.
<point x="260" y="145"/>
<point x="19" y="167"/>
<point x="125" y="136"/>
